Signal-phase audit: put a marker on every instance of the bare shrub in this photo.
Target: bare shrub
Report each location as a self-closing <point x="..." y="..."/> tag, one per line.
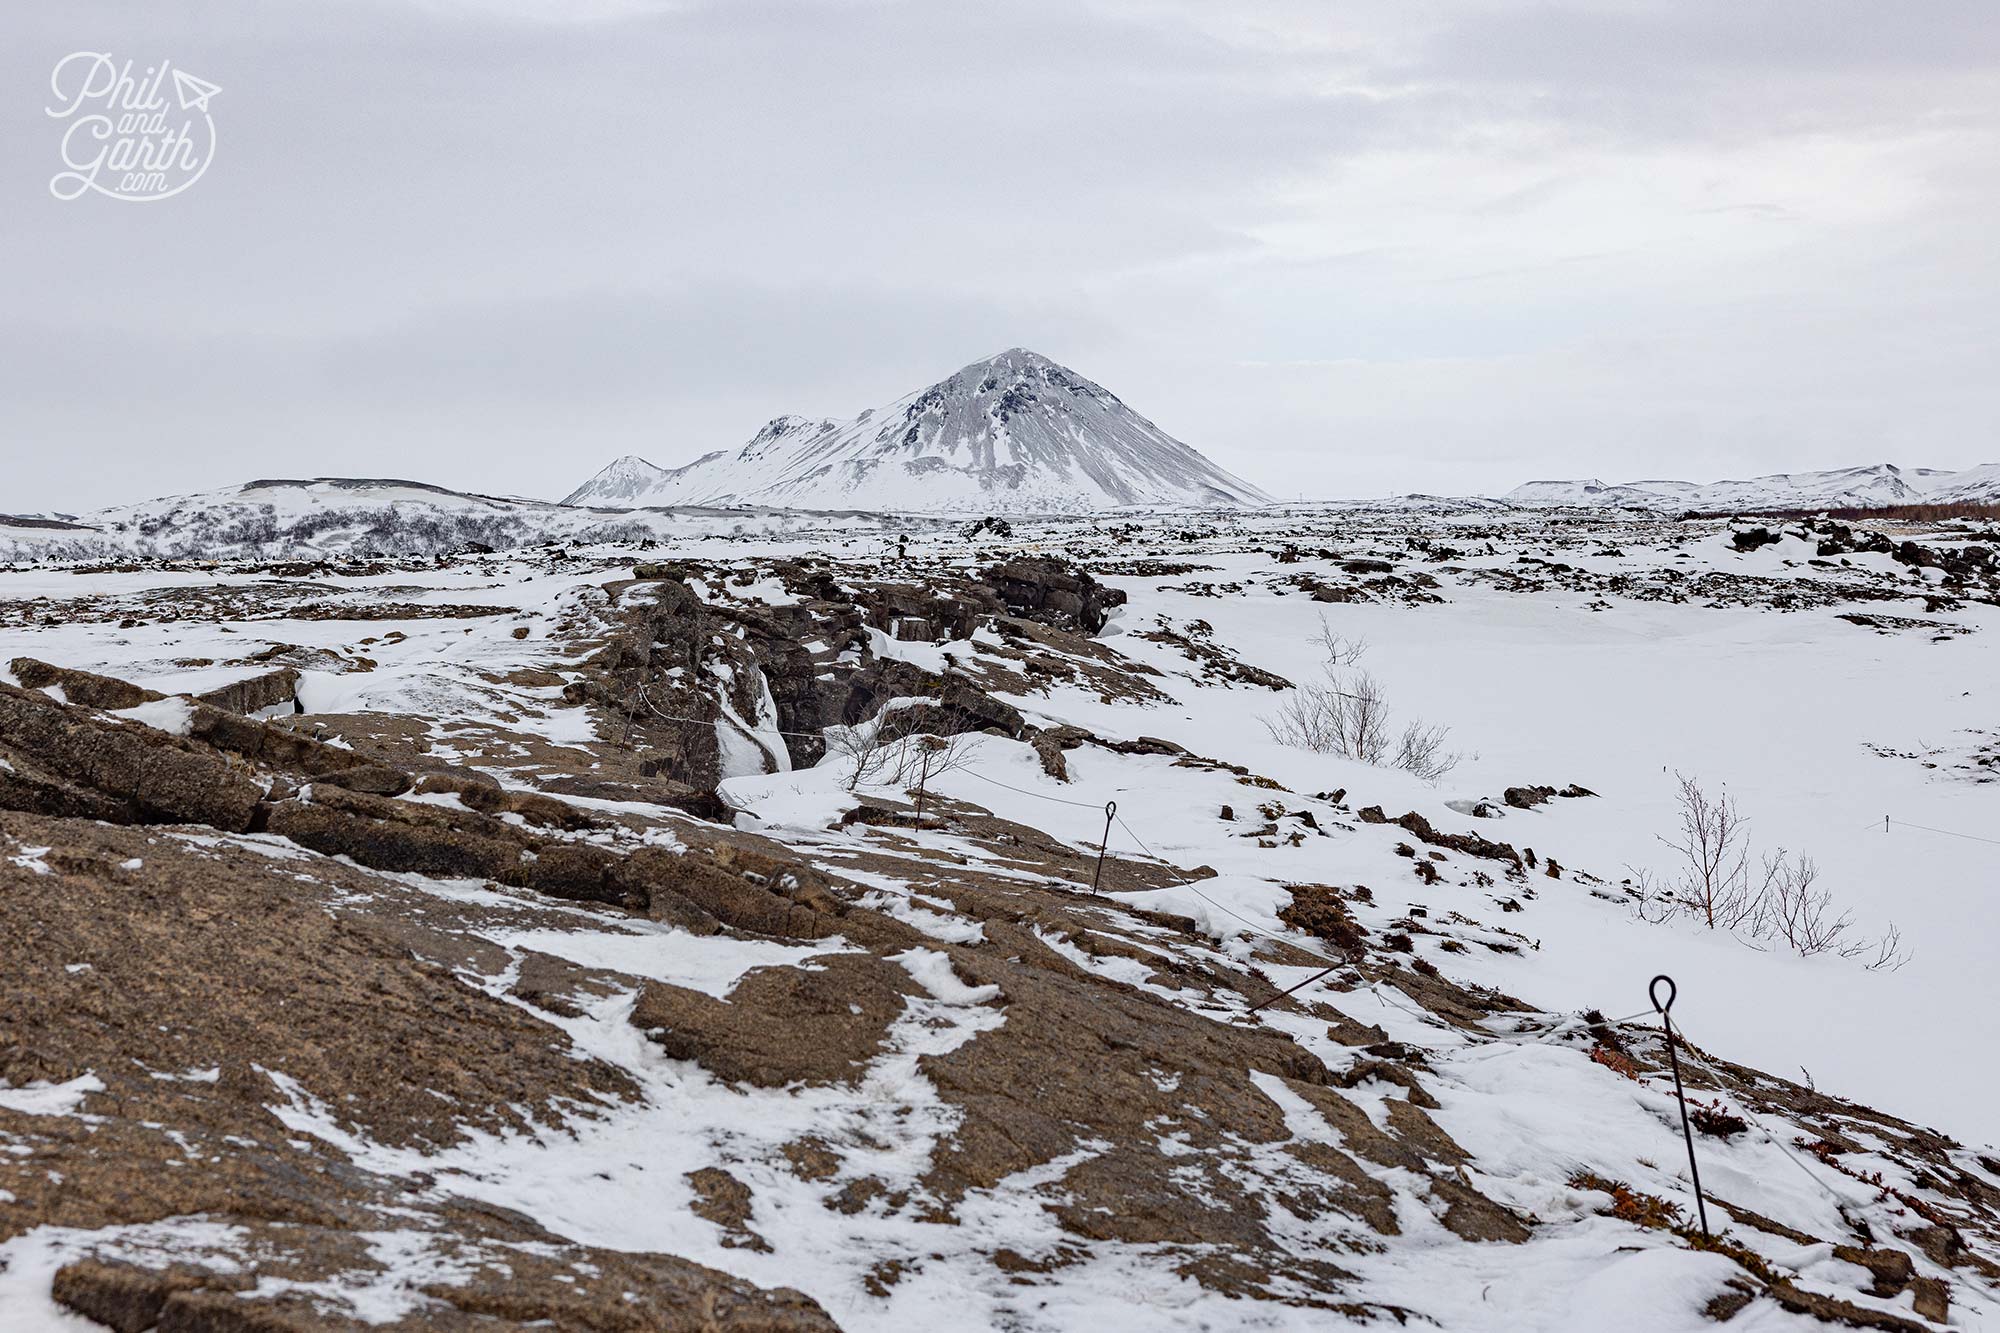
<point x="1420" y="750"/>
<point x="1652" y="902"/>
<point x="1343" y="716"/>
<point x="1783" y="904"/>
<point x="868" y="749"/>
<point x="1348" y="715"/>
<point x="1795" y="910"/>
<point x="1713" y="844"/>
<point x="931" y="754"/>
<point x="909" y="742"/>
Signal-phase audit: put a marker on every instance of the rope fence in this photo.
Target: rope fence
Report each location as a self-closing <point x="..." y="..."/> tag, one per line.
<point x="1888" y="821"/>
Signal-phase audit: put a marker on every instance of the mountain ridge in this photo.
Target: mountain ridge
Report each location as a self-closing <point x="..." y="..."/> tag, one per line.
<point x="1869" y="486"/>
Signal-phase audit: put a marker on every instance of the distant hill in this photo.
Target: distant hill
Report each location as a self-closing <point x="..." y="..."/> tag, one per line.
<point x="1872" y="487"/>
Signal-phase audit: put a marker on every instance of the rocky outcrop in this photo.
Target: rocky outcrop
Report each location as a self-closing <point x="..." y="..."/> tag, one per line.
<point x="64" y="760"/>
<point x="1970" y="563"/>
<point x="1527" y="798"/>
<point x="195" y="985"/>
<point x="224" y="728"/>
<point x="661" y="674"/>
<point x="505" y="1282"/>
<point x="1321" y="911"/>
<point x="1053" y="592"/>
<point x="1472" y="844"/>
<point x="272" y="689"/>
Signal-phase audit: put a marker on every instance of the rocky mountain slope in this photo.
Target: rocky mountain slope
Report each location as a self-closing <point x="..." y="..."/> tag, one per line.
<point x="1015" y="433"/>
<point x="1872" y="487"/>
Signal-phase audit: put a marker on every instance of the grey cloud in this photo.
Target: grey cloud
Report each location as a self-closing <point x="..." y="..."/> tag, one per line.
<point x="497" y="241"/>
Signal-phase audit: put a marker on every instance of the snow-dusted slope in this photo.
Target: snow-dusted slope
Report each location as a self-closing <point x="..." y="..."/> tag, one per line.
<point x="353" y="516"/>
<point x="1015" y="433"/>
<point x="1843" y="488"/>
<point x="1980" y="483"/>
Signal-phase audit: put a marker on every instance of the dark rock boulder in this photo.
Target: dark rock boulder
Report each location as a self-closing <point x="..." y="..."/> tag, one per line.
<point x="1527" y="798"/>
<point x="1053" y="592"/>
<point x="1049" y="745"/>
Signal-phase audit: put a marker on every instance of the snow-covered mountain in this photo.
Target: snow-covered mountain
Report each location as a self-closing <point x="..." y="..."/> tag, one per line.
<point x="1868" y="487"/>
<point x="1015" y="433"/>
<point x="1980" y="483"/>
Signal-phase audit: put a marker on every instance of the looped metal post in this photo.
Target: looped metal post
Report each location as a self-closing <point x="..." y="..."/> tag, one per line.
<point x="1680" y="1094"/>
<point x="1097" y="876"/>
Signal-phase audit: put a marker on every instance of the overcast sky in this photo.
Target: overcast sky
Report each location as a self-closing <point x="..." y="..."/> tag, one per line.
<point x="1342" y="248"/>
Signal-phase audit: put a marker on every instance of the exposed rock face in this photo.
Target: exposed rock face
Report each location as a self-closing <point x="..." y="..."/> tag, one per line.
<point x="526" y="1282"/>
<point x="788" y="672"/>
<point x="64" y="760"/>
<point x="783" y="1026"/>
<point x="223" y="727"/>
<point x="190" y="1055"/>
<point x="1053" y="592"/>
<point x="1118" y="1053"/>
<point x="270" y="690"/>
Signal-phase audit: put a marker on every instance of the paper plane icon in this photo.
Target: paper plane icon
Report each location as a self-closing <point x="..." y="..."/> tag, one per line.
<point x="194" y="93"/>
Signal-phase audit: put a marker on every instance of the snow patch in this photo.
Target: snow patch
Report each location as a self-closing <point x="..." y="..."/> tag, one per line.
<point x="44" y="1098"/>
<point x="173" y="715"/>
<point x="933" y="971"/>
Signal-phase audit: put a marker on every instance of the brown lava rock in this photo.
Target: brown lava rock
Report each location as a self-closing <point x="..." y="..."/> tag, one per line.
<point x="782" y="1025"/>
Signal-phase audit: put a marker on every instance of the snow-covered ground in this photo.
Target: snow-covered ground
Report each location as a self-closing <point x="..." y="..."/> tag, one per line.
<point x="1615" y="656"/>
<point x="1781" y="708"/>
<point x="1799" y="714"/>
